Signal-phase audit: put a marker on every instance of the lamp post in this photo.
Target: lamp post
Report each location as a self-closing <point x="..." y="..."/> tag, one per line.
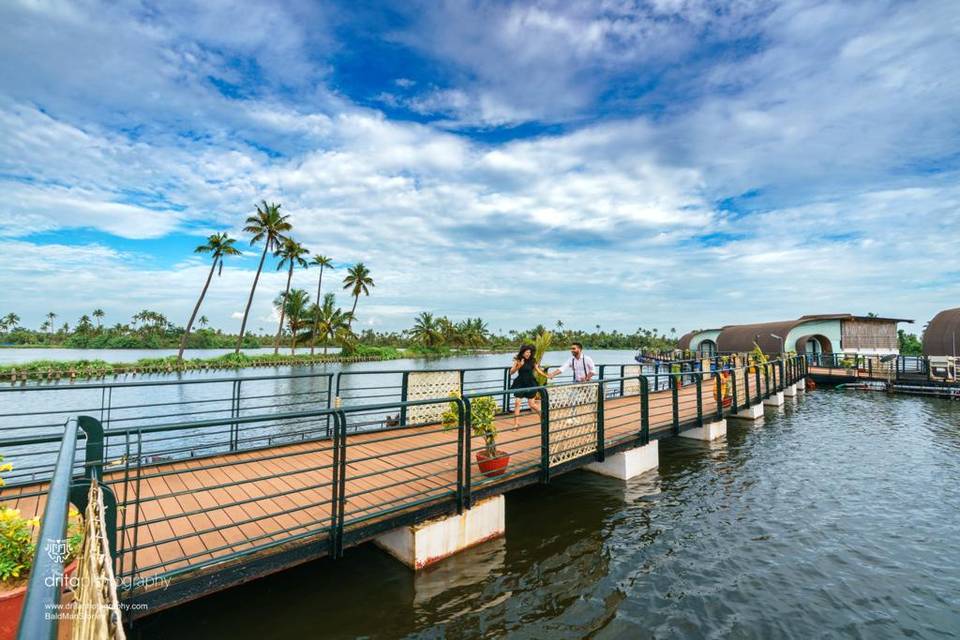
<point x="782" y="345"/>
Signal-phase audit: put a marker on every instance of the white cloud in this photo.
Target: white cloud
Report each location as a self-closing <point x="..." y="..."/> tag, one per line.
<point x="839" y="120"/>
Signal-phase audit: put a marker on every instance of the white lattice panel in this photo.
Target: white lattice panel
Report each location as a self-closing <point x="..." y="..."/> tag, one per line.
<point x="425" y="385"/>
<point x="631" y="387"/>
<point x="573" y="422"/>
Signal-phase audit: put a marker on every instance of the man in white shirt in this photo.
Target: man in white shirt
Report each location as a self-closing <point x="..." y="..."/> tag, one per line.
<point x="582" y="366"/>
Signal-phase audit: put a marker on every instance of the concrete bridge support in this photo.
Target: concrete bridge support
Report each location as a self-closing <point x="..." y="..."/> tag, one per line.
<point x="709" y="431"/>
<point x="753" y="412"/>
<point x="629" y="464"/>
<point x="424" y="544"/>
<point x="790" y="391"/>
<point x="775" y="400"/>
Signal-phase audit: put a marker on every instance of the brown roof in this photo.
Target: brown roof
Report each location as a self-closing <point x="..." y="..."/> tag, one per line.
<point x="685" y="339"/>
<point x="942" y="337"/>
<point x="741" y="337"/>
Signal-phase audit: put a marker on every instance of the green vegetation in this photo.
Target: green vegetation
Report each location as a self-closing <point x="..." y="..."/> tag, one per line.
<point x="910" y="345"/>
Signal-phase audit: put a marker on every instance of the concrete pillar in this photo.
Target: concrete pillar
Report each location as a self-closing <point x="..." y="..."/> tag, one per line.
<point x="790" y="391"/>
<point x="801" y="385"/>
<point x="775" y="400"/>
<point x="753" y="412"/>
<point x="423" y="544"/>
<point x="709" y="431"/>
<point x="629" y="464"/>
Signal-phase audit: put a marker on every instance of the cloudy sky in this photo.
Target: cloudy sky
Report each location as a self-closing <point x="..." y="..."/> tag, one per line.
<point x="658" y="163"/>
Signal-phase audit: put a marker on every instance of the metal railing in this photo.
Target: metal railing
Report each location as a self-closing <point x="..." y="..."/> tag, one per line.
<point x="310" y="488"/>
<point x="38" y="411"/>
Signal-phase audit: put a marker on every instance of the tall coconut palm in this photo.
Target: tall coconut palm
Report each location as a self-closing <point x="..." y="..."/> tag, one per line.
<point x="50" y="318"/>
<point x="267" y="225"/>
<point x="218" y="246"/>
<point x="98" y="314"/>
<point x="318" y="261"/>
<point x="203" y="321"/>
<point x="358" y="281"/>
<point x="10" y="321"/>
<point x="291" y="255"/>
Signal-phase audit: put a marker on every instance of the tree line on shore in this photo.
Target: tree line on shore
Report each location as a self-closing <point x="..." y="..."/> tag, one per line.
<point x="429" y="334"/>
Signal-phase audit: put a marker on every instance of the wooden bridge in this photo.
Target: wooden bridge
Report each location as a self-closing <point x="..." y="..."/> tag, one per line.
<point x="202" y="505"/>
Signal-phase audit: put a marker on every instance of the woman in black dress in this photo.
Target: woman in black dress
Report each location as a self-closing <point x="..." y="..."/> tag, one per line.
<point x="525" y="367"/>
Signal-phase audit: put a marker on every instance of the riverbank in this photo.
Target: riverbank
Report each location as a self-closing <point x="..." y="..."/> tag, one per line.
<point x="92" y="369"/>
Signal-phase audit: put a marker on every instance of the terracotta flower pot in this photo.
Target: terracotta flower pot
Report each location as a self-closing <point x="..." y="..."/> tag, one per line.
<point x="493" y="466"/>
<point x="11" y="606"/>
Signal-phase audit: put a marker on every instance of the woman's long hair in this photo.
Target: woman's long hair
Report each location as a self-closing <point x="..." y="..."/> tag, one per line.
<point x="525" y="348"/>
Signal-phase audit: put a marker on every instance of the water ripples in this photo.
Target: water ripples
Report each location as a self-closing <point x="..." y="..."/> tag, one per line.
<point x="838" y="516"/>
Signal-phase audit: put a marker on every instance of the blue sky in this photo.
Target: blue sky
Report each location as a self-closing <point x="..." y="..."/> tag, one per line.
<point x="660" y="163"/>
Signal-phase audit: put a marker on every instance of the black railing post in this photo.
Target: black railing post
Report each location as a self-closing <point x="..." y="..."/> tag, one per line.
<point x="506" y="385"/>
<point x="467" y="452"/>
<point x="236" y="414"/>
<point x="329" y="400"/>
<point x="699" y="380"/>
<point x="756" y="374"/>
<point x="544" y="436"/>
<point x="675" y="397"/>
<point x="341" y="496"/>
<point x="601" y="437"/>
<point x="94" y="458"/>
<point x="461" y="436"/>
<point x="746" y="387"/>
<point x="718" y="376"/>
<point x="644" y="410"/>
<point x="335" y="487"/>
<point x="623" y="369"/>
<point x="766" y="380"/>
<point x="403" y="398"/>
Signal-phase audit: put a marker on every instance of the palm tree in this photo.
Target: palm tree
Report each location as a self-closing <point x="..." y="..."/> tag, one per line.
<point x="296" y="306"/>
<point x="291" y="255"/>
<point x="203" y="321"/>
<point x="10" y="321"/>
<point x="99" y="314"/>
<point x="50" y="318"/>
<point x="358" y="280"/>
<point x="426" y="330"/>
<point x="267" y="225"/>
<point x="332" y="322"/>
<point x="318" y="261"/>
<point x="218" y="245"/>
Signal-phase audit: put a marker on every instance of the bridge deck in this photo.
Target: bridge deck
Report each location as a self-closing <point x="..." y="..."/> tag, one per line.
<point x="196" y="510"/>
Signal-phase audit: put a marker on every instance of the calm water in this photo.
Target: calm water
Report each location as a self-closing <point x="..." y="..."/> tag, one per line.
<point x="839" y="516"/>
<point x="18" y="356"/>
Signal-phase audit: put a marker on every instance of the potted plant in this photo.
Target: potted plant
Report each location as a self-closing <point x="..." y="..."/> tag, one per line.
<point x="726" y="399"/>
<point x="757" y="358"/>
<point x="847" y="364"/>
<point x="675" y="369"/>
<point x="483" y="410"/>
<point x="17" y="546"/>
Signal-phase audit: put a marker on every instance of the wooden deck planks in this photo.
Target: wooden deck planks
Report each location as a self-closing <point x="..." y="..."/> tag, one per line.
<point x="189" y="518"/>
